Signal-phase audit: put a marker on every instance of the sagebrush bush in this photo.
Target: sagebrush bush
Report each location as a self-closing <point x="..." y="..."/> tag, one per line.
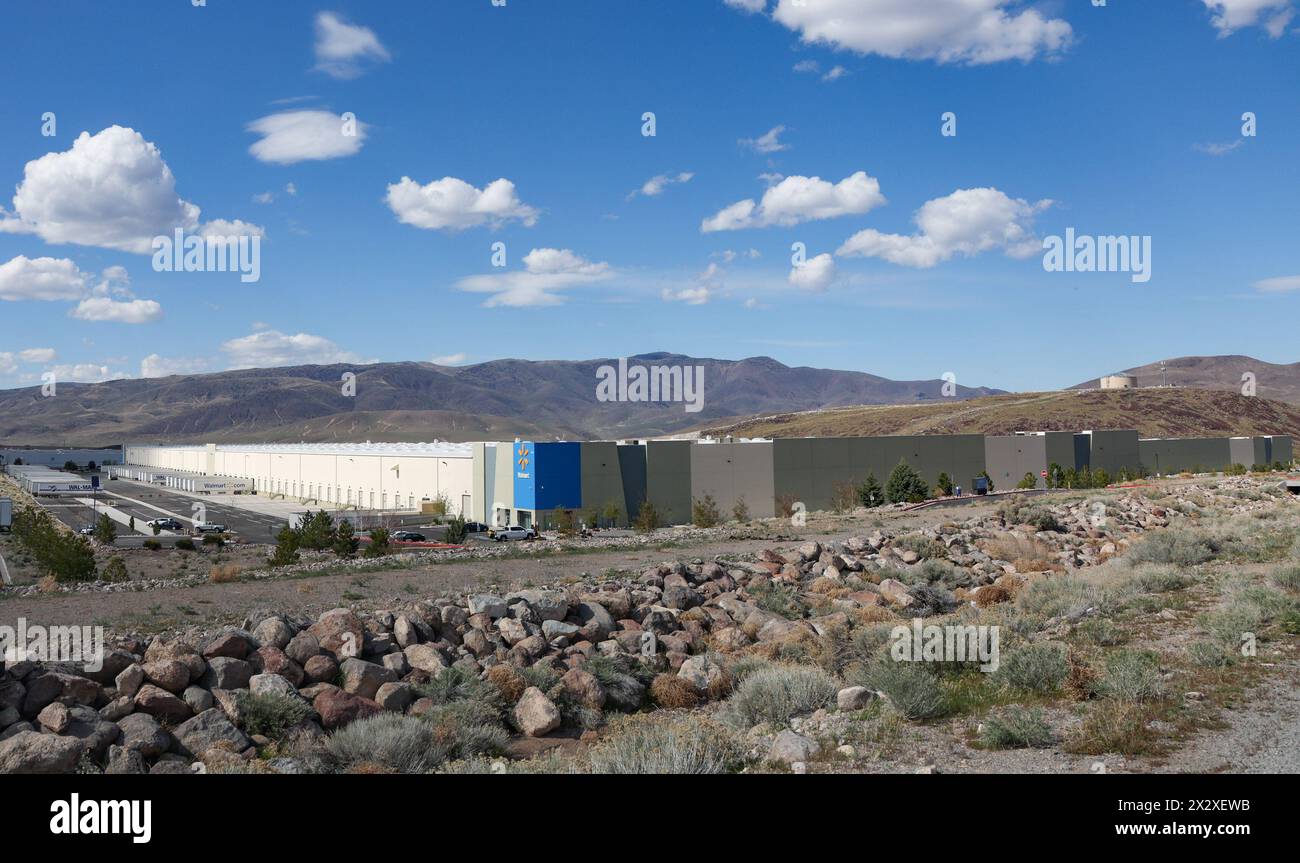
<point x="388" y="742"/>
<point x="624" y="680"/>
<point x="777" y="693"/>
<point x="1175" y="547"/>
<point x="646" y="744"/>
<point x="1131" y="675"/>
<point x="1209" y="654"/>
<point x="1287" y="578"/>
<point x="1034" y="667"/>
<point x="269" y="715"/>
<point x="1067" y="596"/>
<point x="1161" y="580"/>
<point x="1016" y="728"/>
<point x="911" y="687"/>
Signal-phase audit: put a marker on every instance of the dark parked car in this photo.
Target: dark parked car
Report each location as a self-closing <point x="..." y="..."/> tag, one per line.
<point x="475" y="527"/>
<point x="408" y="536"/>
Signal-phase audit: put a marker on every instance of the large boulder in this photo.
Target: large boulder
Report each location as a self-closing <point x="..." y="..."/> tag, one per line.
<point x="426" y="658"/>
<point x="170" y="674"/>
<point x="161" y="704"/>
<point x="129" y="680"/>
<point x="271" y="684"/>
<point x="320" y="669"/>
<point x="583" y="688"/>
<point x="227" y="673"/>
<point x="702" y="673"/>
<point x="141" y="732"/>
<point x="791" y="748"/>
<point x="32" y="752"/>
<point x="302" y="647"/>
<point x="489" y="604"/>
<point x="338" y="708"/>
<point x="364" y="678"/>
<point x="273" y="632"/>
<point x="208" y="729"/>
<point x="273" y="660"/>
<point x="340" y="632"/>
<point x="535" y="714"/>
<point x="95" y="734"/>
<point x="232" y="644"/>
<point x="596" y="622"/>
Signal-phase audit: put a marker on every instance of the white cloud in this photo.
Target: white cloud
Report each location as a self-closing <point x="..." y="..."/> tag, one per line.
<point x="38" y="355"/>
<point x="449" y="360"/>
<point x="807" y="66"/>
<point x="815" y="274"/>
<point x="706" y="284"/>
<point x="655" y="186"/>
<point x="545" y="271"/>
<point x="85" y="373"/>
<point x="967" y="222"/>
<point x="768" y="142"/>
<point x="117" y="311"/>
<point x="155" y="366"/>
<point x="729" y="255"/>
<point x="452" y="204"/>
<point x="270" y="348"/>
<point x="799" y="199"/>
<point x="1279" y="285"/>
<point x="1228" y="16"/>
<point x="263" y="198"/>
<point x="24" y="278"/>
<point x="946" y="31"/>
<point x="299" y="136"/>
<point x="344" y="50"/>
<point x="835" y="74"/>
<point x="111" y="190"/>
<point x="1219" y="149"/>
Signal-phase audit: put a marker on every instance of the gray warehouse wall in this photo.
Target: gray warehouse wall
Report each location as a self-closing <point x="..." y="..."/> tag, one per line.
<point x="1244" y="450"/>
<point x="1114" y="449"/>
<point x="602" y="480"/>
<point x="631" y="467"/>
<point x="730" y="471"/>
<point x="1009" y="457"/>
<point x="1281" y="449"/>
<point x="1171" y="455"/>
<point x="668" y="479"/>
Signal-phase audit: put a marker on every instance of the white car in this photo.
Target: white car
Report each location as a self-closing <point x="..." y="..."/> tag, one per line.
<point x="209" y="527"/>
<point x="504" y="534"/>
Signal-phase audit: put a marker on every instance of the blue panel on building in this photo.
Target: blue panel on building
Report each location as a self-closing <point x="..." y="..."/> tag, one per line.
<point x="547" y="475"/>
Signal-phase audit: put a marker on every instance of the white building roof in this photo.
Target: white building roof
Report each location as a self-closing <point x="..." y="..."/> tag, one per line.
<point x="436" y="449"/>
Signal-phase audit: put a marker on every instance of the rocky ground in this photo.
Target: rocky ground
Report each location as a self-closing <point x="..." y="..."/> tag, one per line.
<point x="1123" y="620"/>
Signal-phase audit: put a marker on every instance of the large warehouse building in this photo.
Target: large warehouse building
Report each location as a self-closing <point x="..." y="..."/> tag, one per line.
<point x="524" y="482"/>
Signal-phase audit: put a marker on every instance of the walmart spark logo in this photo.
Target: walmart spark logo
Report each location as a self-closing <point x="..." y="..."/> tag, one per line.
<point x="523" y="457"/>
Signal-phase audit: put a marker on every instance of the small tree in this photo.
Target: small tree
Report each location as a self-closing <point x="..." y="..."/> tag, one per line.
<point x="106" y="530"/>
<point x="1028" y="481"/>
<point x="565" y="523"/>
<point x="785" y="505"/>
<point x="988" y="479"/>
<point x="114" y="570"/>
<point x="704" y="512"/>
<point x="378" y="546"/>
<point x="870" y="494"/>
<point x="1100" y="479"/>
<point x="611" y="512"/>
<point x="905" y="485"/>
<point x="345" y="539"/>
<point x="740" y="511"/>
<point x="943" y="485"/>
<point x="1055" y="475"/>
<point x="70" y="466"/>
<point x="130" y="525"/>
<point x="844" y="496"/>
<point x="647" y="517"/>
<point x="456" y="530"/>
<point x="156" y="529"/>
<point x="286" y="548"/>
<point x="317" y="531"/>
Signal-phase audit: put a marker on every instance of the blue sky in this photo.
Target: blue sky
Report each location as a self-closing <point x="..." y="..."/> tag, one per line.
<point x="1122" y="119"/>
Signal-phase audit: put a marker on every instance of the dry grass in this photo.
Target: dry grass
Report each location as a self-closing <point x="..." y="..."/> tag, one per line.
<point x="673" y="692"/>
<point x="508" y="681"/>
<point x="1025" y="553"/>
<point x="225" y="573"/>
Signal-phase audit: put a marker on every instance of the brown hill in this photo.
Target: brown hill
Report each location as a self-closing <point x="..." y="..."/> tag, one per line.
<point x="1272" y="380"/>
<point x="1166" y="412"/>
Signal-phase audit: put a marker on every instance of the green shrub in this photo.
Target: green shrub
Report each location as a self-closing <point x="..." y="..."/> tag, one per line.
<point x="378" y="545"/>
<point x="1016" y="728"/>
<point x="905" y="485"/>
<point x="286" y="548"/>
<point x="456" y="530"/>
<point x="345" y="540"/>
<point x="1287" y="578"/>
<point x="1035" y="667"/>
<point x="1162" y="580"/>
<point x="912" y="688"/>
<point x="870" y="494"/>
<point x="105" y="530"/>
<point x="1176" y="547"/>
<point x="623" y="678"/>
<point x="151" y="544"/>
<point x="647" y="518"/>
<point x="740" y="511"/>
<point x="184" y="544"/>
<point x="704" y="512"/>
<point x="1068" y="596"/>
<point x="270" y="715"/>
<point x="1209" y="654"/>
<point x="114" y="570"/>
<point x="777" y="693"/>
<point x="412" y="744"/>
<point x="647" y="744"/>
<point x="1131" y="675"/>
<point x="778" y="598"/>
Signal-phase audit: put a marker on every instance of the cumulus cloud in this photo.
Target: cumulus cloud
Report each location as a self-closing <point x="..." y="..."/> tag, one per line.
<point x="814" y="274"/>
<point x="452" y="204"/>
<point x="545" y="271"/>
<point x="306" y="135"/>
<point x="699" y="292"/>
<point x="345" y="50"/>
<point x="10" y="360"/>
<point x="85" y="373"/>
<point x="946" y="31"/>
<point x="967" y="222"/>
<point x="799" y="199"/>
<point x="1228" y="16"/>
<point x="768" y="142"/>
<point x="117" y="311"/>
<point x="655" y="186"/>
<point x="111" y="190"/>
<point x="24" y="278"/>
<point x="270" y="348"/>
<point x="155" y="366"/>
<point x="1279" y="285"/>
<point x="449" y="360"/>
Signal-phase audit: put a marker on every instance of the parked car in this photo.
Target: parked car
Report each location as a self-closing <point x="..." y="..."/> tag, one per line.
<point x="408" y="536"/>
<point x="476" y="527"/>
<point x="87" y="531"/>
<point x="165" y="523"/>
<point x="504" y="534"/>
<point x="209" y="527"/>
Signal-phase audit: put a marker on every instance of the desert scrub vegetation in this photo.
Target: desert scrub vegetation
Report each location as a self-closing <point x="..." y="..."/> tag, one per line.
<point x="1287" y="578"/>
<point x="645" y="744"/>
<point x="624" y="678"/>
<point x="1066" y="596"/>
<point x="779" y="598"/>
<point x="1131" y="676"/>
<point x="1175" y="547"/>
<point x="922" y="545"/>
<point x="1038" y="668"/>
<point x="1161" y="580"/>
<point x="1016" y="728"/>
<point x="269" y="715"/>
<point x="393" y="743"/>
<point x="777" y="693"/>
<point x="912" y="687"/>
